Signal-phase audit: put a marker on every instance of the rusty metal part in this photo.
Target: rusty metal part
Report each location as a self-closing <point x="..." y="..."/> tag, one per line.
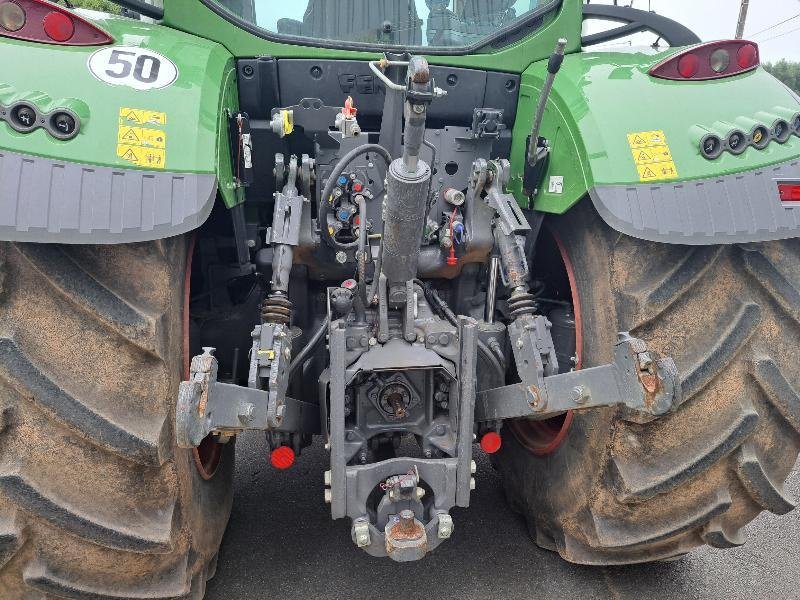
<point x="652" y="391"/>
<point x="406" y="539"/>
<point x="418" y="70"/>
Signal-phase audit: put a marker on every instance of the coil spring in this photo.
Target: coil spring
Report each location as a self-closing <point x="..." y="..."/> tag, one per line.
<point x="522" y="303"/>
<point x="276" y="309"/>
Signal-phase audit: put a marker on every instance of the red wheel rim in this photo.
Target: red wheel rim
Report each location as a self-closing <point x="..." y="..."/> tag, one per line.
<point x="207" y="455"/>
<point x="544" y="437"/>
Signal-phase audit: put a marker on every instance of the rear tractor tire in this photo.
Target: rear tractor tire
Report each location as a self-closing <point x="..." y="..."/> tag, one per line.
<point x="96" y="501"/>
<point x="600" y="489"/>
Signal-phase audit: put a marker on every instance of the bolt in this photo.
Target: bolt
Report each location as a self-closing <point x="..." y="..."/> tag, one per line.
<point x="536" y="402"/>
<point x="471" y="483"/>
<point x="445" y="529"/>
<point x="373" y="341"/>
<point x="645" y="361"/>
<point x="407" y="522"/>
<point x="248" y="71"/>
<point x="327" y="477"/>
<point x="520" y="343"/>
<point x="251" y="243"/>
<point x="418" y="109"/>
<point x="341" y="257"/>
<point x="580" y="394"/>
<point x="420" y="493"/>
<point x="328" y="496"/>
<point x="428" y="453"/>
<point x="444" y="339"/>
<point x="473" y="467"/>
<point x="360" y="533"/>
<point x="246" y="411"/>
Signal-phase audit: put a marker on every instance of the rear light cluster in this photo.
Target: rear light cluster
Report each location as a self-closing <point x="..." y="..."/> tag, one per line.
<point x="758" y="136"/>
<point x="789" y="192"/>
<point x="42" y="21"/>
<point x="25" y="117"/>
<point x="710" y="61"/>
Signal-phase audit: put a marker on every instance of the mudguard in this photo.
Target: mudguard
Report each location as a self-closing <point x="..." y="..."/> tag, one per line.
<point x="151" y="152"/>
<point x="632" y="143"/>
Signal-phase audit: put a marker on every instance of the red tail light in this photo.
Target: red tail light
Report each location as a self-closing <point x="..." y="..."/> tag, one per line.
<point x="789" y="192"/>
<point x="709" y="61"/>
<point x="42" y="21"/>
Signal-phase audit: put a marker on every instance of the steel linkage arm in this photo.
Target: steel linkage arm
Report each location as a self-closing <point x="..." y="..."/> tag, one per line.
<point x="207" y="406"/>
<point x="646" y="386"/>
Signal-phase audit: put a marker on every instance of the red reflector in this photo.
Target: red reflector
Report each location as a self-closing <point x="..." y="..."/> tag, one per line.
<point x="747" y="57"/>
<point x="790" y="192"/>
<point x="714" y="60"/>
<point x="491" y="442"/>
<point x="58" y="26"/>
<point x="688" y="66"/>
<point x="282" y="458"/>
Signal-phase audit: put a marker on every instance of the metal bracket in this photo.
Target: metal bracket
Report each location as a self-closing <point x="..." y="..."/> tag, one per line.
<point x="511" y="219"/>
<point x="646" y="386"/>
<point x="206" y="406"/>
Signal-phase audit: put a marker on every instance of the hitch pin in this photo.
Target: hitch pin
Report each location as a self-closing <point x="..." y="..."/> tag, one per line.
<point x="553" y="67"/>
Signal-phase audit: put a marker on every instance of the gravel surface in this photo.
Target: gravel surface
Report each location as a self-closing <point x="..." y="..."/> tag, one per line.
<point x="281" y="543"/>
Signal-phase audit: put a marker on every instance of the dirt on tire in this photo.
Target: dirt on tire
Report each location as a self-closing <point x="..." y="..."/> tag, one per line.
<point x="617" y="491"/>
<point x="96" y="501"/>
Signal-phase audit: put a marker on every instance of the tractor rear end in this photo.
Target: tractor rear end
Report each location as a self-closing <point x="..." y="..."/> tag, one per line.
<point x="406" y="246"/>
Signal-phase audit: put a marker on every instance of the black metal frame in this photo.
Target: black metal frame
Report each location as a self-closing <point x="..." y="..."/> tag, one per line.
<point x="636" y="21"/>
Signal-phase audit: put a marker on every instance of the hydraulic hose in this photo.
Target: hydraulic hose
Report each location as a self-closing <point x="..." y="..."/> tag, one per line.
<point x="335" y="173"/>
<point x="301" y="357"/>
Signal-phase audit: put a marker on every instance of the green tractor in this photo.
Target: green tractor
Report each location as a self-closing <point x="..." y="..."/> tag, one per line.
<point x="419" y="230"/>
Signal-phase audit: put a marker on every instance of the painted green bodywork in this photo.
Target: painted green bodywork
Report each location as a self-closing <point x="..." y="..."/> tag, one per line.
<point x="56" y="76"/>
<point x="601" y="97"/>
<point x="598" y="98"/>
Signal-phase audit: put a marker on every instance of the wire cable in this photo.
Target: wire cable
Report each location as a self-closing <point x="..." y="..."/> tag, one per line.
<point x="779" y="36"/>
<point x="771" y="27"/>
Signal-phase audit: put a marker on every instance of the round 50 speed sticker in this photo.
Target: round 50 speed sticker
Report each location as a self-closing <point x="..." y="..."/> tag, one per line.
<point x="135" y="67"/>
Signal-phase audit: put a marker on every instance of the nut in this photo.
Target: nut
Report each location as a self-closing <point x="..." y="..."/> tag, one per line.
<point x="360" y="533"/>
<point x="341" y="257"/>
<point x="445" y="529"/>
<point x="328" y="496"/>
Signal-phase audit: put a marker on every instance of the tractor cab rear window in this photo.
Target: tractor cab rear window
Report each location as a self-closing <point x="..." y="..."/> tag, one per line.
<point x="387" y="23"/>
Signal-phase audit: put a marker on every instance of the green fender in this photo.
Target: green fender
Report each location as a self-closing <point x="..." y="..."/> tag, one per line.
<point x="186" y="155"/>
<point x="600" y="99"/>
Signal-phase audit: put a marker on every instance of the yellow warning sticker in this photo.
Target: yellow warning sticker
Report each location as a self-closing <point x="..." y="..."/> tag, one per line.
<point x="657" y="171"/>
<point x="136" y="116"/>
<point x="153" y="158"/>
<point x="656" y="154"/>
<point x="652" y="156"/>
<point x="138" y="145"/>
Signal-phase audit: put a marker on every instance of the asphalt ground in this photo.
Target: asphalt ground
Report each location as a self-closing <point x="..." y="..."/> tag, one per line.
<point x="281" y="543"/>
